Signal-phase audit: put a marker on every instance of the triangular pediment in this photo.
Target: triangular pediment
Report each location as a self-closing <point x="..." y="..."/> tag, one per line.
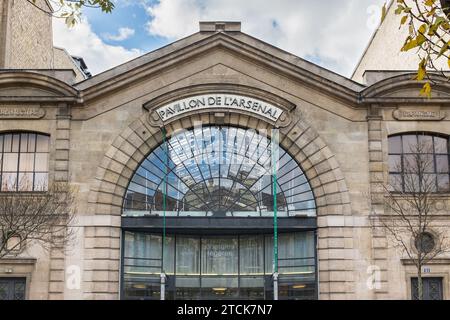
<point x="204" y="44"/>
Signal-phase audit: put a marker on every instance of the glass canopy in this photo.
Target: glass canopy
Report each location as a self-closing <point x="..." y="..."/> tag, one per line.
<point x="221" y="172"/>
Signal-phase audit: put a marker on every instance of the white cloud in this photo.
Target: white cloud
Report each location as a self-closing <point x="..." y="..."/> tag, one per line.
<point x="123" y="34"/>
<point x="332" y="33"/>
<point x="82" y="41"/>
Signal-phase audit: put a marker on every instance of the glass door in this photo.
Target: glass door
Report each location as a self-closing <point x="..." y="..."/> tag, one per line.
<point x="220" y="268"/>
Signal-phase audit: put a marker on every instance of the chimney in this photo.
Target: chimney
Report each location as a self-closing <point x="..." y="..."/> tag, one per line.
<point x="220" y="26"/>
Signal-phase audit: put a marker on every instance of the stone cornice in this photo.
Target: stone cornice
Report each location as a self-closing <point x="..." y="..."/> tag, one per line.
<point x="57" y="90"/>
<point x="383" y="91"/>
<point x="395" y="90"/>
<point x="436" y="261"/>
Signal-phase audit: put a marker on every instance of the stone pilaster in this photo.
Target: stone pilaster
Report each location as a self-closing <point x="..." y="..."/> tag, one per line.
<point x="61" y="174"/>
<point x="377" y="179"/>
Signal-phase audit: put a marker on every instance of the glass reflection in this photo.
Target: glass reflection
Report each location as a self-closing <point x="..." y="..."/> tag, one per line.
<point x="217" y="171"/>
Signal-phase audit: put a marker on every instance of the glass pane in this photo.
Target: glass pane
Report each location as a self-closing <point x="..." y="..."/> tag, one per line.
<point x="219" y="256"/>
<point x="142" y="254"/>
<point x="409" y="143"/>
<point x="15" y="142"/>
<point x="395" y="163"/>
<point x="9" y="181"/>
<point x="411" y="163"/>
<point x="23" y="142"/>
<point x="427" y="163"/>
<point x="7" y="143"/>
<point x="411" y="183"/>
<point x="440" y="145"/>
<point x="169" y="256"/>
<point x="31" y="142"/>
<point x="26" y="162"/>
<point x="42" y="143"/>
<point x="296" y="253"/>
<point x="41" y="164"/>
<point x="442" y="164"/>
<point x="395" y="144"/>
<point x="395" y="180"/>
<point x="188" y="256"/>
<point x="251" y="255"/>
<point x="425" y="144"/>
<point x="443" y="182"/>
<point x="10" y="162"/>
<point x="428" y="183"/>
<point x="25" y="181"/>
<point x="40" y="181"/>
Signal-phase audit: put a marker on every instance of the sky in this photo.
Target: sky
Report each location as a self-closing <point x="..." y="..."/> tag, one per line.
<point x="330" y="33"/>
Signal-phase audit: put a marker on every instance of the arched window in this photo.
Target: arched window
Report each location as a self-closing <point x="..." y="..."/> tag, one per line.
<point x="218" y="171"/>
<point x="416" y="159"/>
<point x="24" y="161"/>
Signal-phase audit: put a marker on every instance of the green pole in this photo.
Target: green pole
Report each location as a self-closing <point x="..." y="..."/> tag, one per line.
<point x="275" y="207"/>
<point x="166" y="151"/>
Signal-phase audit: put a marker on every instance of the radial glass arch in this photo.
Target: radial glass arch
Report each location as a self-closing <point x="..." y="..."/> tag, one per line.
<point x="218" y="171"/>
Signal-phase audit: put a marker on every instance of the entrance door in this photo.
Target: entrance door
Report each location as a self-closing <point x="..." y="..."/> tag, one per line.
<point x="218" y="267"/>
<point x="226" y="267"/>
<point x="12" y="288"/>
<point x="432" y="289"/>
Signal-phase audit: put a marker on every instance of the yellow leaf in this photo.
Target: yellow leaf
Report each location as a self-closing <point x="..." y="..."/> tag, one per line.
<point x="429" y="3"/>
<point x="426" y="90"/>
<point x="448" y="62"/>
<point x="422" y="29"/>
<point x="421" y="72"/>
<point x="403" y="21"/>
<point x="410" y="44"/>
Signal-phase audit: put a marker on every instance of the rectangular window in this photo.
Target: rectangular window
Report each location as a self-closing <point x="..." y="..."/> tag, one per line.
<point x="419" y="162"/>
<point x="22" y="169"/>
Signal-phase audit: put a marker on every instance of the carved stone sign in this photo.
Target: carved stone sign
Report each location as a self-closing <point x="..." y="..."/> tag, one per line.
<point x="21" y="112"/>
<point x="222" y="102"/>
<point x="434" y="114"/>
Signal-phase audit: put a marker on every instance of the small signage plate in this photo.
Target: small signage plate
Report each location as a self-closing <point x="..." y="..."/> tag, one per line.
<point x="21" y="112"/>
<point x="220" y="102"/>
<point x="429" y="114"/>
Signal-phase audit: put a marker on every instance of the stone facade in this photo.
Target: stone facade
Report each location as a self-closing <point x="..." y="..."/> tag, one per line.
<point x="26" y="39"/>
<point x="27" y="42"/>
<point x="336" y="129"/>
